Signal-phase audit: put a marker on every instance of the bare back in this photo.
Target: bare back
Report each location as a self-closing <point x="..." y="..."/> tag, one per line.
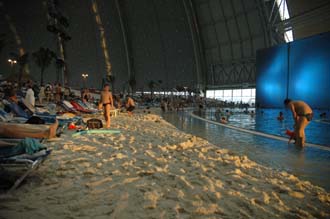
<point x="301" y="108"/>
<point x="130" y="102"/>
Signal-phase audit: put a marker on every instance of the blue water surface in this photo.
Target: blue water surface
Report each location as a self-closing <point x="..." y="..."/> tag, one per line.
<point x="312" y="164"/>
<point x="265" y="120"/>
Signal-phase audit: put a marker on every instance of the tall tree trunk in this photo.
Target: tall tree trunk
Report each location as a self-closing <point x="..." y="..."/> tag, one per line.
<point x="20" y="73"/>
<point x="42" y="76"/>
<point x="113" y="86"/>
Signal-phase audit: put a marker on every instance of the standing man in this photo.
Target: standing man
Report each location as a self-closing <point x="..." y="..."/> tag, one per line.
<point x="29" y="97"/>
<point x="58" y="93"/>
<point x="302" y="115"/>
<point x="107" y="103"/>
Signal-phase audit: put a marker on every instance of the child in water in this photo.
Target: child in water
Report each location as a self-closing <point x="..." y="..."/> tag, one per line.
<point x="280" y="116"/>
<point x="223" y="120"/>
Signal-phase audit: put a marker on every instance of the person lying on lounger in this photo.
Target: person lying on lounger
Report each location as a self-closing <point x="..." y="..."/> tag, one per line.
<point x="17" y="130"/>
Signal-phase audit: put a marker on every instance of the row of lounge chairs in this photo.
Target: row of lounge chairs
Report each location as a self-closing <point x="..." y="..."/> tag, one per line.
<point x="17" y="137"/>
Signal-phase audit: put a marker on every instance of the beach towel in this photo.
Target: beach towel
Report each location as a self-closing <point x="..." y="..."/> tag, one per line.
<point x="26" y="146"/>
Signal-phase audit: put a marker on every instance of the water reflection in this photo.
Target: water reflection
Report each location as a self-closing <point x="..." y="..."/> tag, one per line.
<point x="311" y="164"/>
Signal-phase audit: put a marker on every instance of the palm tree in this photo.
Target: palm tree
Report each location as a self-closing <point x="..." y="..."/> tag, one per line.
<point x="22" y="61"/>
<point x="151" y="85"/>
<point x="2" y="41"/>
<point x="160" y="82"/>
<point x="132" y="84"/>
<point x="43" y="58"/>
<point x="59" y="63"/>
<point x="112" y="79"/>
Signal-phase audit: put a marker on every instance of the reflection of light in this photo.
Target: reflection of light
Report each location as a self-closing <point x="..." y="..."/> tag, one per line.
<point x="102" y="36"/>
<point x="309" y="80"/>
<point x="277" y="64"/>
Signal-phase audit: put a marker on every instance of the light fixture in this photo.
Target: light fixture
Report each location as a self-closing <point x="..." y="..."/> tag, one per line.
<point x="84" y="75"/>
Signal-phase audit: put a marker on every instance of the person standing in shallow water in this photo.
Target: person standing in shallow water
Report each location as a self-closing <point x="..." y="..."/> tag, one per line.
<point x="107" y="103"/>
<point x="302" y="115"/>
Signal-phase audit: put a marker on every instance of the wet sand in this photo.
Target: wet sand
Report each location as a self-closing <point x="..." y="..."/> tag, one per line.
<point x="153" y="170"/>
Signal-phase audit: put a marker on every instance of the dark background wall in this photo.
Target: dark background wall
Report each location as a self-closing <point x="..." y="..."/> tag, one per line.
<point x="194" y="43"/>
<point x="298" y="70"/>
<point x="157" y="31"/>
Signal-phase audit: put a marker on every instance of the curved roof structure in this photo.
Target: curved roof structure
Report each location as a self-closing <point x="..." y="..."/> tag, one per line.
<point x="193" y="43"/>
<point x="232" y="31"/>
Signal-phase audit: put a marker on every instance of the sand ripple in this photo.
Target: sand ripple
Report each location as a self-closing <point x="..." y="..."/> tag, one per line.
<point x="152" y="170"/>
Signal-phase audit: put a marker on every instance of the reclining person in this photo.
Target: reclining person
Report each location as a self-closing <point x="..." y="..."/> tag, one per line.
<point x="15" y="130"/>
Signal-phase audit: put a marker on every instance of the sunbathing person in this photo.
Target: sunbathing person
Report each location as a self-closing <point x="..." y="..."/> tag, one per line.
<point x="107" y="103"/>
<point x="16" y="130"/>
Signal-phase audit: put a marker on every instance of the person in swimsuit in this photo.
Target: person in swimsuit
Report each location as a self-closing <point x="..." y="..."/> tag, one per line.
<point x="302" y="115"/>
<point x="107" y="103"/>
<point x="130" y="105"/>
<point x="280" y="117"/>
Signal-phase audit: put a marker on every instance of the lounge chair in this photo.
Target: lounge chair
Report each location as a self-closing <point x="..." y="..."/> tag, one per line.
<point x="68" y="106"/>
<point x="26" y="156"/>
<point x="16" y="109"/>
<point x="87" y="106"/>
<point x="6" y="117"/>
<point x="79" y="107"/>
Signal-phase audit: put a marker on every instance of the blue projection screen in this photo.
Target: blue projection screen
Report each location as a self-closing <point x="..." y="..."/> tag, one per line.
<point x="299" y="70"/>
<point x="271" y="84"/>
<point x="309" y="77"/>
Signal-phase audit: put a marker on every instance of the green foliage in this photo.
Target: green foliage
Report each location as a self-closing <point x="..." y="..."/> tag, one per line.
<point x="43" y="58"/>
<point x="151" y="85"/>
<point x="22" y="61"/>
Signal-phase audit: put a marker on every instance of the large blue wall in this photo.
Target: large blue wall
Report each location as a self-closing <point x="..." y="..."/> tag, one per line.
<point x="298" y="70"/>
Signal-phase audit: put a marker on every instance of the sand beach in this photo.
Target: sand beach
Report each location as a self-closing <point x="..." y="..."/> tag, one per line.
<point x="153" y="170"/>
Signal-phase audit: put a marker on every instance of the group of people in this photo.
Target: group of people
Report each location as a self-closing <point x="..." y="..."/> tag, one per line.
<point x="301" y="111"/>
<point x="49" y="92"/>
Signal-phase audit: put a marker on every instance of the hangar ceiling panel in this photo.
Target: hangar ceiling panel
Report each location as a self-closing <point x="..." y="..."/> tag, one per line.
<point x="238" y="31"/>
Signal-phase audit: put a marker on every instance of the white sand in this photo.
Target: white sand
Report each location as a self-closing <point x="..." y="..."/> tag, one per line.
<point x="152" y="170"/>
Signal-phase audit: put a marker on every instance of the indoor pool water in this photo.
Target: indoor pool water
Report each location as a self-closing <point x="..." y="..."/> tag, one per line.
<point x="310" y="163"/>
<point x="265" y="120"/>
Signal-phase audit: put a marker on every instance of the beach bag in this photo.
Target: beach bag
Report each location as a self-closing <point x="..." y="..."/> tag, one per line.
<point x="94" y="124"/>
